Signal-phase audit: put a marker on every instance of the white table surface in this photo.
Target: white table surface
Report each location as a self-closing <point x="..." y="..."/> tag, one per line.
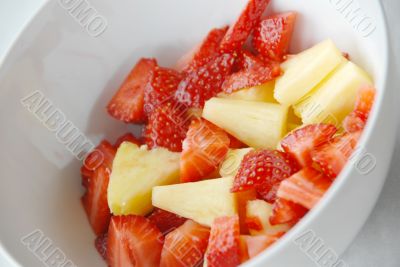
<point x="378" y="244"/>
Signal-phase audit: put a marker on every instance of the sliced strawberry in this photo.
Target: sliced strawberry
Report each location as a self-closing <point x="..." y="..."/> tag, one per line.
<point x="264" y="170"/>
<point x="204" y="82"/>
<point x="306" y="187"/>
<point x="101" y="245"/>
<point x="300" y="143"/>
<point x="185" y="246"/>
<point x="95" y="200"/>
<point x="167" y="127"/>
<point x="235" y="143"/>
<point x="333" y="156"/>
<point x="272" y="36"/>
<point x="127" y="103"/>
<point x="353" y="123"/>
<point x="224" y="245"/>
<point x="239" y="32"/>
<point x="254" y="223"/>
<point x="133" y="241"/>
<point x="161" y="88"/>
<point x="166" y="221"/>
<point x="207" y="49"/>
<point x="257" y="244"/>
<point x="128" y="137"/>
<point x="284" y="211"/>
<point x="204" y="149"/>
<point x="241" y="199"/>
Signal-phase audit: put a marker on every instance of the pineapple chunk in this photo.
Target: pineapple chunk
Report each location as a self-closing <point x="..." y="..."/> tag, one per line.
<point x="136" y="171"/>
<point x="200" y="201"/>
<point x="232" y="161"/>
<point x="262" y="93"/>
<point x="257" y="124"/>
<point x="262" y="210"/>
<point x="334" y="98"/>
<point x="305" y="70"/>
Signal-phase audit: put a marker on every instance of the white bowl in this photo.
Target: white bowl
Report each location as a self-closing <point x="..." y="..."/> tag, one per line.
<point x="78" y="69"/>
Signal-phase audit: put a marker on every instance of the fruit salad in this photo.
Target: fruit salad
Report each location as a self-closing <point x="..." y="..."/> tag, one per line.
<point x="240" y="140"/>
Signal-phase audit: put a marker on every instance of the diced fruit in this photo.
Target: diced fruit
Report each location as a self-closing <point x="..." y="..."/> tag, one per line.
<point x="305" y="70"/>
<point x="353" y="123"/>
<point x="224" y="245"/>
<point x="133" y="241"/>
<point x="257" y="244"/>
<point x="161" y="88"/>
<point x="232" y="161"/>
<point x="235" y="143"/>
<point x="166" y="221"/>
<point x="207" y="49"/>
<point x="306" y="187"/>
<point x="263" y="170"/>
<point x="286" y="212"/>
<point x="204" y="149"/>
<point x="241" y="199"/>
<point x="167" y="127"/>
<point x="300" y="143"/>
<point x="258" y="212"/>
<point x="239" y="32"/>
<point x="95" y="200"/>
<point x="127" y="104"/>
<point x="204" y="82"/>
<point x="333" y="156"/>
<point x="101" y="245"/>
<point x="135" y="172"/>
<point x="334" y="98"/>
<point x="257" y="124"/>
<point x="200" y="201"/>
<point x="128" y="137"/>
<point x="185" y="246"/>
<point x="261" y="93"/>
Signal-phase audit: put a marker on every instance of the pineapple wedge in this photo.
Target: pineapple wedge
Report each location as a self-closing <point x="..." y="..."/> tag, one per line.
<point x="136" y="171"/>
<point x="262" y="93"/>
<point x="200" y="201"/>
<point x="257" y="124"/>
<point x="304" y="71"/>
<point x="232" y="161"/>
<point x="334" y="98"/>
<point x="262" y="210"/>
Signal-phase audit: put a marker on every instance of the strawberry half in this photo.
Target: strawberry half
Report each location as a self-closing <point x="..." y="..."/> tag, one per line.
<point x="185" y="246"/>
<point x="101" y="245"/>
<point x="133" y="241"/>
<point x="224" y="247"/>
<point x="127" y="104"/>
<point x="161" y="88"/>
<point x="272" y="36"/>
<point x="284" y="211"/>
<point x="204" y="82"/>
<point x="167" y="127"/>
<point x="95" y="200"/>
<point x="257" y="244"/>
<point x="128" y="137"/>
<point x="300" y="143"/>
<point x="333" y="156"/>
<point x="239" y="32"/>
<point x="207" y="49"/>
<point x="166" y="221"/>
<point x="306" y="187"/>
<point x="264" y="170"/>
<point x="204" y="148"/>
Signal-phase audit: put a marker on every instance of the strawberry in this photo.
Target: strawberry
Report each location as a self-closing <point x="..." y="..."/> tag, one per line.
<point x="284" y="211"/>
<point x="235" y="143"/>
<point x="127" y="104"/>
<point x="161" y="88"/>
<point x="101" y="245"/>
<point x="209" y="48"/>
<point x="300" y="143"/>
<point x="257" y="244"/>
<point x="167" y="127"/>
<point x="166" y="221"/>
<point x="204" y="149"/>
<point x="241" y="200"/>
<point x="204" y="82"/>
<point x="239" y="32"/>
<point x="333" y="156"/>
<point x="128" y="137"/>
<point x="133" y="241"/>
<point x="306" y="187"/>
<point x="353" y="123"/>
<point x="263" y="170"/>
<point x="254" y="223"/>
<point x="185" y="246"/>
<point x="224" y="247"/>
<point x="272" y="36"/>
<point x="95" y="200"/>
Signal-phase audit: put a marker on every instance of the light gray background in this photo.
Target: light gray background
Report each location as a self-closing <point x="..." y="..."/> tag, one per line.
<point x="378" y="244"/>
